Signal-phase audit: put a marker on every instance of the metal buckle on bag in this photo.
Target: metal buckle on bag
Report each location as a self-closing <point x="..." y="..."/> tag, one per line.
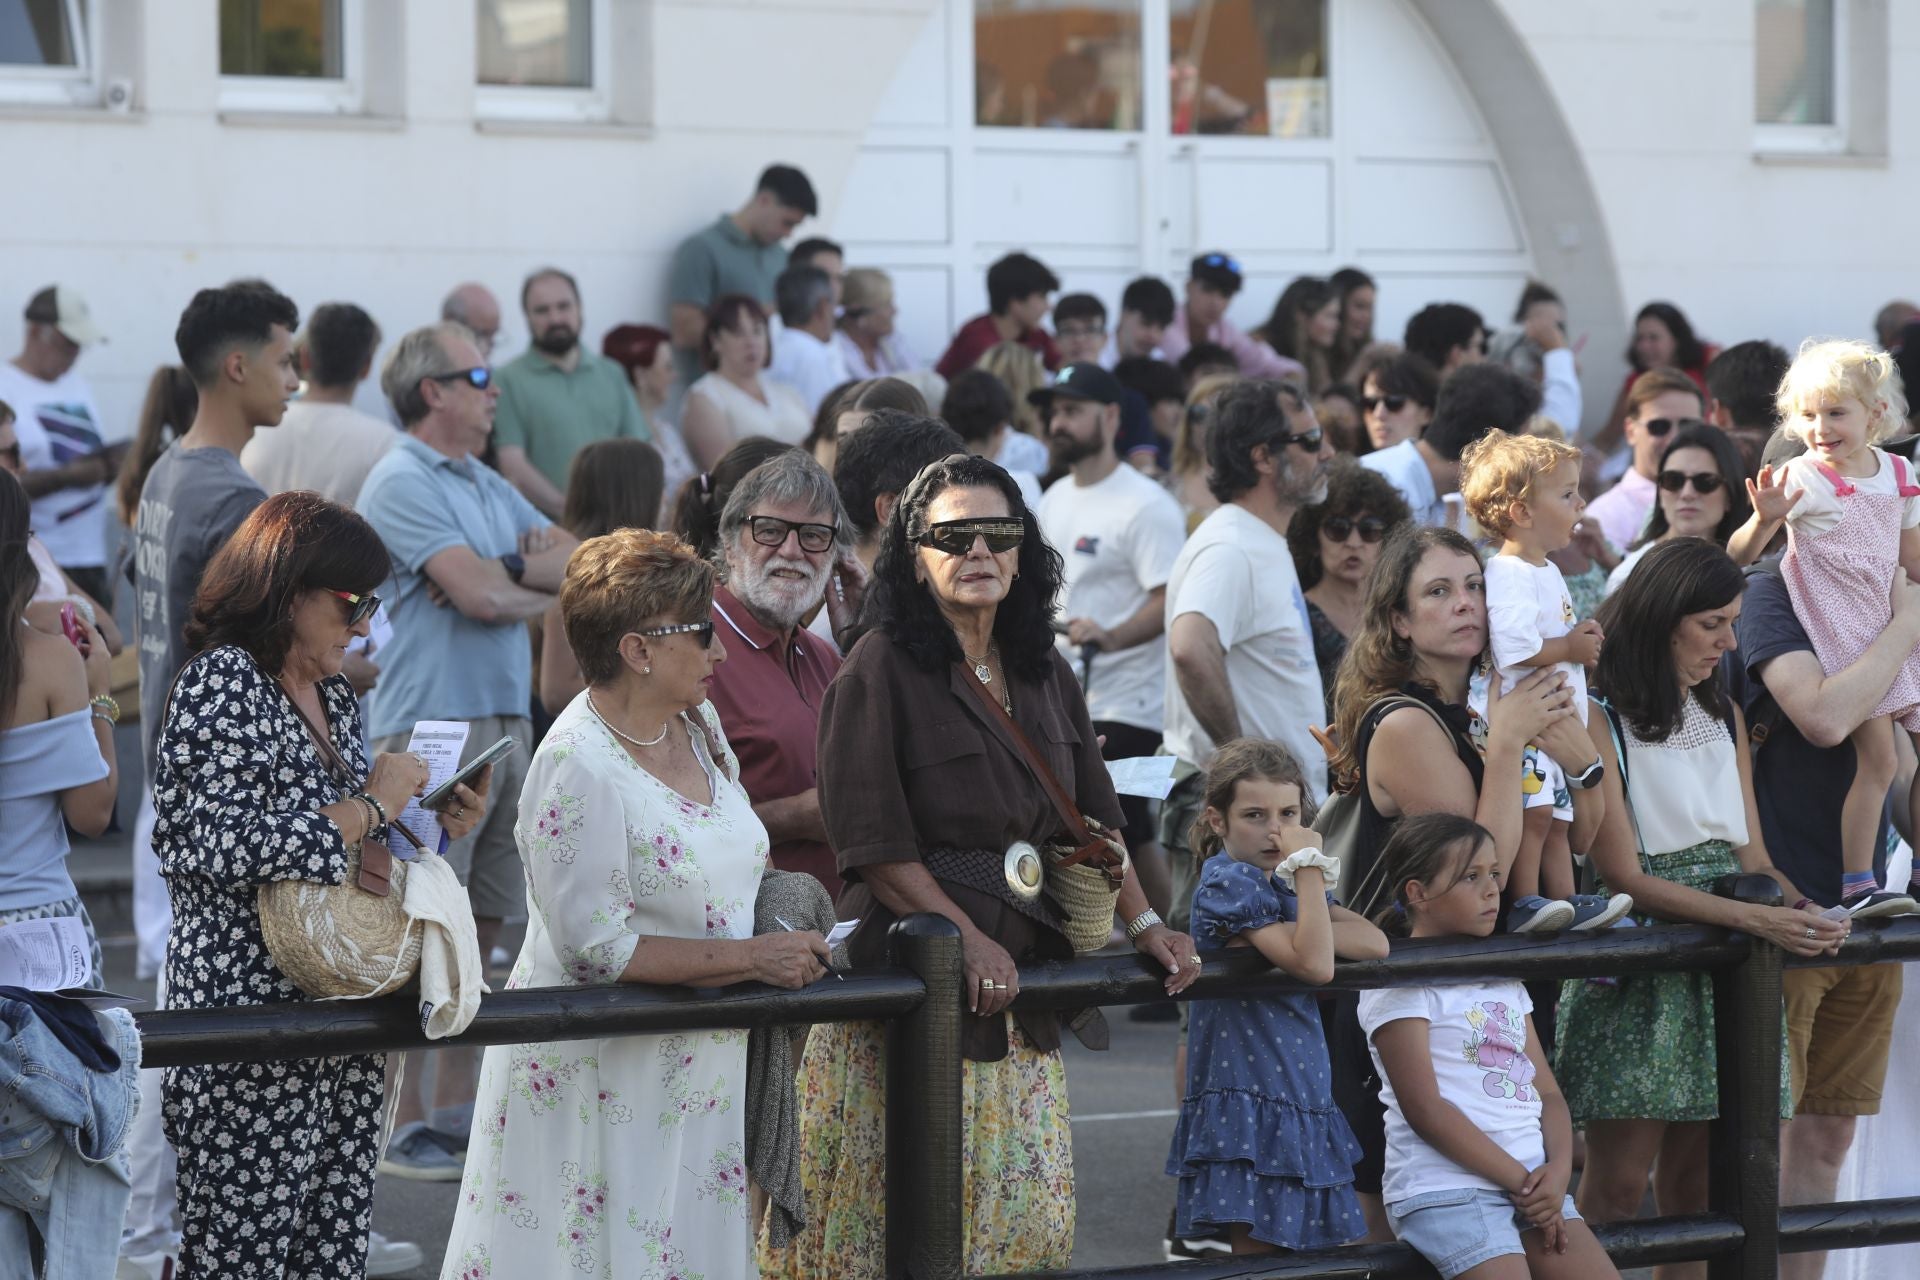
<point x="1025" y="872"/>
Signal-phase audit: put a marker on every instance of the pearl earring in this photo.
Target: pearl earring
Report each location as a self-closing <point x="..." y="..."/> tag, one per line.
<point x="646" y="671"/>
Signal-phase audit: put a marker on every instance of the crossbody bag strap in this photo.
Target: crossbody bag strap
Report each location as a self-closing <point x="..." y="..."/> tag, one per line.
<point x="1375" y="879"/>
<point x="1088" y="846"/>
<point x="1618" y="730"/>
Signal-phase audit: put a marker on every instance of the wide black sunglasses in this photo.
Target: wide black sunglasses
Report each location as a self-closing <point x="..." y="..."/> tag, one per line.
<point x="359" y="607"/>
<point x="1704" y="482"/>
<point x="771" y="531"/>
<point x="955" y="537"/>
<point x="1338" y="528"/>
<point x="479" y="377"/>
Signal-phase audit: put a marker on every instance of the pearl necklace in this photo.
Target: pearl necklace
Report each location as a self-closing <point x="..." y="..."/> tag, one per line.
<point x="653" y="742"/>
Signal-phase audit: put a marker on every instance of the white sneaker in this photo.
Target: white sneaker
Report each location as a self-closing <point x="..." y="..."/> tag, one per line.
<point x="391" y="1257"/>
<point x="146" y="1266"/>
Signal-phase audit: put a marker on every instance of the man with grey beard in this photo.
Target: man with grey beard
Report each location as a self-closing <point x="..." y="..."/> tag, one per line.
<point x="783" y="538"/>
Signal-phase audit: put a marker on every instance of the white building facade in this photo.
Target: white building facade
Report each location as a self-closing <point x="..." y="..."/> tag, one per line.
<point x="1736" y="157"/>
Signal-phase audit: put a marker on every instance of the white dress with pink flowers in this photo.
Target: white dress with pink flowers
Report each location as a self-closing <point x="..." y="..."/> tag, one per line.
<point x="621" y="1157"/>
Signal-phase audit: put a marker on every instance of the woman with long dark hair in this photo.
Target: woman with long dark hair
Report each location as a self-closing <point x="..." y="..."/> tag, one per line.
<point x="1663" y="338"/>
<point x="963" y="591"/>
<point x="1305" y="327"/>
<point x="1636" y="1055"/>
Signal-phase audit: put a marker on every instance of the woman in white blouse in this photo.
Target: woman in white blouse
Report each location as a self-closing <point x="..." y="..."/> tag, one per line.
<point x="733" y="400"/>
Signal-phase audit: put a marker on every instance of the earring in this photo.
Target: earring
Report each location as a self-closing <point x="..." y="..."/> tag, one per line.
<point x="646" y="671"/>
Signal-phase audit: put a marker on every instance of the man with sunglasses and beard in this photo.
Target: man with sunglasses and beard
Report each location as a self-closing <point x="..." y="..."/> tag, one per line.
<point x="557" y="398"/>
<point x="786" y="543"/>
<point x="473" y="560"/>
<point x="1119" y="533"/>
<point x="1659" y="399"/>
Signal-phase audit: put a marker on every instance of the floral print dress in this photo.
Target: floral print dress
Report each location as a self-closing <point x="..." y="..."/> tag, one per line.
<point x="624" y="1156"/>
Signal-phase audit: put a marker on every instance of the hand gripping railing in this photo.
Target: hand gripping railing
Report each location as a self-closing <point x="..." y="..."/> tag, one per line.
<point x="921" y="997"/>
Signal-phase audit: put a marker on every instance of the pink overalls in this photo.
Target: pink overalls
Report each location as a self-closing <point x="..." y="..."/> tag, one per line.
<point x="1841" y="583"/>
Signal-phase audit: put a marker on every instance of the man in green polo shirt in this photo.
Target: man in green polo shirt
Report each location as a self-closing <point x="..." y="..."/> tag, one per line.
<point x="557" y="398"/>
<point x="740" y="253"/>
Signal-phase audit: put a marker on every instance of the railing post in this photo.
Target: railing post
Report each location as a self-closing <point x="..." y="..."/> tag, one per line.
<point x="1744" y="1169"/>
<point x="923" y="1106"/>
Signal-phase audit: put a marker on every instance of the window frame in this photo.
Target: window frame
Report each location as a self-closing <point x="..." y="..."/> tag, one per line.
<point x="551" y="104"/>
<point x="75" y="86"/>
<point x="1166" y="7"/>
<point x="300" y="95"/>
<point x="1813" y="139"/>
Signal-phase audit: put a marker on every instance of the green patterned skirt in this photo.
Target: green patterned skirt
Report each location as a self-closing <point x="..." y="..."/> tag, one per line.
<point x="1644" y="1049"/>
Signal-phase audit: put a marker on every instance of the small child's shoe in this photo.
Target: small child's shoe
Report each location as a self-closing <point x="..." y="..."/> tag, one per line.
<point x="1872" y="904"/>
<point x="1535" y="914"/>
<point x="1591" y="911"/>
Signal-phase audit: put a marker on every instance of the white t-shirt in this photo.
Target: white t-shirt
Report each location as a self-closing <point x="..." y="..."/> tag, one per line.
<point x="1478" y="1036"/>
<point x="1528" y="605"/>
<point x="1819" y="510"/>
<point x="1021" y="452"/>
<point x="1237" y="572"/>
<point x="1119" y="539"/>
<point x="57" y="423"/>
<point x="808" y="365"/>
<point x="328" y="448"/>
<point x="1406" y="470"/>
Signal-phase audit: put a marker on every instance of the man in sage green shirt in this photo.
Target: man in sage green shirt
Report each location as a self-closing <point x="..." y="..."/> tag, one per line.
<point x="738" y="253"/>
<point x="557" y="398"/>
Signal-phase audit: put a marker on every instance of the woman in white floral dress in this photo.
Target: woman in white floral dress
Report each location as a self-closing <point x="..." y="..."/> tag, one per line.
<point x="625" y="1157"/>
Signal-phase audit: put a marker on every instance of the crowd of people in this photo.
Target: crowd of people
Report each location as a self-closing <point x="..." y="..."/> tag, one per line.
<point x="767" y="605"/>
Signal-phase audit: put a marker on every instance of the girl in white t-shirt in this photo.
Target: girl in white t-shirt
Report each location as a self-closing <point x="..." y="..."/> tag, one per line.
<point x="1479" y="1143"/>
<point x="1525" y="491"/>
<point x="1852" y="513"/>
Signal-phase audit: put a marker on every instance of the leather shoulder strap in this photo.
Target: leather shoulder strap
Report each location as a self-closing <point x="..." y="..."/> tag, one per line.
<point x="1035" y="762"/>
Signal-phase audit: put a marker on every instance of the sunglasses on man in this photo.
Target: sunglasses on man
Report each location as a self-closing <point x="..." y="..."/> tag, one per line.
<point x="479" y="377"/>
<point x="955" y="537"/>
<point x="1659" y="427"/>
<point x="1704" y="482"/>
<point x="359" y="607"/>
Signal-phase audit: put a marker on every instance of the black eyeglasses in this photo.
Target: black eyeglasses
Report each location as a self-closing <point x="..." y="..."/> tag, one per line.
<point x="771" y="531"/>
<point x="1305" y="439"/>
<point x="702" y="629"/>
<point x="1339" y="528"/>
<point x="479" y="377"/>
<point x="1704" y="482"/>
<point x="955" y="537"/>
<point x="1392" y="404"/>
<point x="359" y="608"/>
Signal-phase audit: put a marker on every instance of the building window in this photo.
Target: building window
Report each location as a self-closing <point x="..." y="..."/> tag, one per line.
<point x="1255" y="67"/>
<point x="543" y="59"/>
<point x="289" y="55"/>
<point x="43" y="52"/>
<point x="1057" y="64"/>
<point x="1798" y="49"/>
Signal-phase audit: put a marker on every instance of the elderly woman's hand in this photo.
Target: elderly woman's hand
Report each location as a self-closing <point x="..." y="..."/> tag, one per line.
<point x="1174" y="950"/>
<point x="1800" y="933"/>
<point x="466" y="807"/>
<point x="789" y="960"/>
<point x="992" y="978"/>
<point x="397" y="777"/>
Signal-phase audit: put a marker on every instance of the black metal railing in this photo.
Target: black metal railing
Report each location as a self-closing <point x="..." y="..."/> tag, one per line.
<point x="920" y="997"/>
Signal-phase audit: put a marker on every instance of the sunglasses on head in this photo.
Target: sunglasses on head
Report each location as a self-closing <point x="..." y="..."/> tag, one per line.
<point x="1338" y="528"/>
<point x="955" y="537"/>
<point x="1392" y="404"/>
<point x="479" y="377"/>
<point x="1221" y="260"/>
<point x="359" y="607"/>
<point x="704" y="630"/>
<point x="771" y="531"/>
<point x="1704" y="482"/>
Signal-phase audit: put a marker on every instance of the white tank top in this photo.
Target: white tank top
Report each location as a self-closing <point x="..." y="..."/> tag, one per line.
<point x="1686" y="790"/>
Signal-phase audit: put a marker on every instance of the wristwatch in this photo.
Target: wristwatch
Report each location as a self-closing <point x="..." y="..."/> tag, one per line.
<point x="516" y="565"/>
<point x="1588" y="778"/>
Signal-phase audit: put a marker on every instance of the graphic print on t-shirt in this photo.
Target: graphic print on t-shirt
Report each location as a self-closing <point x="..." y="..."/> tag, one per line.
<point x="1495" y="1043"/>
<point x="71" y="434"/>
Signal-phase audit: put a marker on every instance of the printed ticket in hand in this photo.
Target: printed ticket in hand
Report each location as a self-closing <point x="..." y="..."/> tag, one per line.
<point x="439" y="743"/>
<point x="45" y="955"/>
<point x="1149" y="776"/>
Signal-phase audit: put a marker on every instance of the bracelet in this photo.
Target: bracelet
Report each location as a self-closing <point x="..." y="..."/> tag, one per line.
<point x="1329" y="867"/>
<point x="1141" y="923"/>
<point x="1803" y="904"/>
<point x="378" y="808"/>
<point x="369" y="810"/>
<point x="106" y="708"/>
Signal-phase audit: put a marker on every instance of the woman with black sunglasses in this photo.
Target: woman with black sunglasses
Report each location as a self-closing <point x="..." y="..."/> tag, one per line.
<point x="1701" y="493"/>
<point x="1335" y="545"/>
<point x="931" y="805"/>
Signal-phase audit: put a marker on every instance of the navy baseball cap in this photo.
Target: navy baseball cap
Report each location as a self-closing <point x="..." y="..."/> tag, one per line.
<point x="1084" y="381"/>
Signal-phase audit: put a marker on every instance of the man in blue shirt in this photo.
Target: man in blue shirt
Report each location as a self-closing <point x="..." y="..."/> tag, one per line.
<point x="472" y="561"/>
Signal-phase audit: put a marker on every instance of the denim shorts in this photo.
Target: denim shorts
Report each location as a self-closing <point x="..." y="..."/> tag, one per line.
<point x="1459" y="1229"/>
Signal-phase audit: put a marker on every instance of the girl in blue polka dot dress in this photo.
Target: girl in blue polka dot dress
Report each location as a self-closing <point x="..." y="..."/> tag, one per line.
<point x="1261" y="1150"/>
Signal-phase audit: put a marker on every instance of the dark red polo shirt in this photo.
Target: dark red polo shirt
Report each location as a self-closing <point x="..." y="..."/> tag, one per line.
<point x="769" y="704"/>
<point x="979" y="335"/>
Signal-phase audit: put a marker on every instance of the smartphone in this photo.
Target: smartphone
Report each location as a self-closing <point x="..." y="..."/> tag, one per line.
<point x="70" y="623"/>
<point x="438" y="797"/>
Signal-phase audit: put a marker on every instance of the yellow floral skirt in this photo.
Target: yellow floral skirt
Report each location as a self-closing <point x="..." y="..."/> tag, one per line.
<point x="1016" y="1160"/>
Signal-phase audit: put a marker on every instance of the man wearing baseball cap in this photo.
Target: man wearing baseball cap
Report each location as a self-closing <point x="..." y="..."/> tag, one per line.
<point x="68" y="466"/>
<point x="1212" y="281"/>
